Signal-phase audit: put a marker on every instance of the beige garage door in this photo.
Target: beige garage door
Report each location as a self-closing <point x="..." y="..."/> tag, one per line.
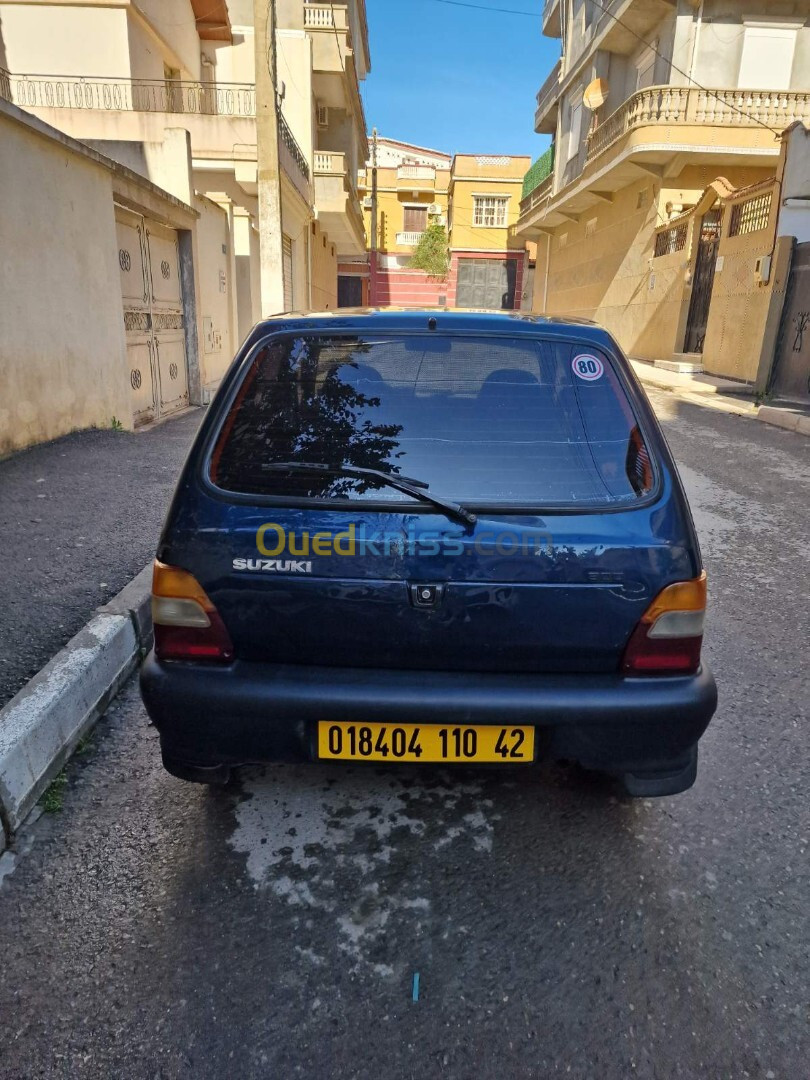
<point x="149" y="265"/>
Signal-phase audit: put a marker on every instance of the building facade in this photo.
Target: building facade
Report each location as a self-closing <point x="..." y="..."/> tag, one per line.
<point x="167" y="89"/>
<point x="654" y="105"/>
<point x="475" y="198"/>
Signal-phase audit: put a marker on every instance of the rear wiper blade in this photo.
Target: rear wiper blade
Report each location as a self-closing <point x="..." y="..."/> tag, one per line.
<point x="406" y="484"/>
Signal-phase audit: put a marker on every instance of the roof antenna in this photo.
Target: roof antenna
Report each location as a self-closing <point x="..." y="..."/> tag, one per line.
<point x="431" y="323"/>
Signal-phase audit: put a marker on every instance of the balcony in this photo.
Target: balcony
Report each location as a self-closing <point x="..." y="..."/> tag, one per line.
<point x="538" y="197"/>
<point x="671" y="106"/>
<point x="621" y="23"/>
<point x="548" y="99"/>
<point x="336" y="203"/>
<point x="416" y="178"/>
<point x="90" y="108"/>
<point x="660" y="130"/>
<point x="292" y="160"/>
<point x="552" y="25"/>
<point x="328" y="26"/>
<point x="333" y="60"/>
<point x="408" y="239"/>
<point x="129" y="95"/>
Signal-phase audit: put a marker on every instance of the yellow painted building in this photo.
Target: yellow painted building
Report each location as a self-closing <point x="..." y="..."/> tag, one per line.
<point x="475" y="197"/>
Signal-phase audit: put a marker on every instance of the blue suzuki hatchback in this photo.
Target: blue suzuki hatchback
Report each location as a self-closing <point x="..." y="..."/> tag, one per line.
<point x="412" y="536"/>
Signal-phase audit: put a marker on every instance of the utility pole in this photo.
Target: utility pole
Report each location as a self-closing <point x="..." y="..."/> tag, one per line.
<point x="269" y="181"/>
<point x="372" y="280"/>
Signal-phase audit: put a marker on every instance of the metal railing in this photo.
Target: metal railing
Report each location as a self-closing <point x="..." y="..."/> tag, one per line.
<point x="287" y="139"/>
<point x="129" y="95"/>
<point x="540" y="195"/>
<point x="668" y="105"/>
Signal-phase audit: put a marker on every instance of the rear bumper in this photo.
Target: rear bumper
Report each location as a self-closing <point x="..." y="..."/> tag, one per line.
<point x="250" y="712"/>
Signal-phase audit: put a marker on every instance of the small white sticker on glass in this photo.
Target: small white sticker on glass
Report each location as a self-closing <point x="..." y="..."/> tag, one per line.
<point x="587" y="367"/>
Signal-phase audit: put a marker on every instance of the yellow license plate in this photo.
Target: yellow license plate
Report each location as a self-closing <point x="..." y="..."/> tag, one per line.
<point x="425" y="742"/>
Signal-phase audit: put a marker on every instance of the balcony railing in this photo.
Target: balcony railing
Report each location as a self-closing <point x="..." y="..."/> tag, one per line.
<point x="408" y="239"/>
<point x="416" y="172"/>
<point x="129" y="95"/>
<point x="325" y="16"/>
<point x="669" y="105"/>
<point x="540" y="195"/>
<point x="288" y="141"/>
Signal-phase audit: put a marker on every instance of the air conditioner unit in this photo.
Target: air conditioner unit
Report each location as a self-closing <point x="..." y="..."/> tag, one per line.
<point x="435" y="208"/>
<point x="762" y="269"/>
<point x="368" y="202"/>
<point x="323" y="116"/>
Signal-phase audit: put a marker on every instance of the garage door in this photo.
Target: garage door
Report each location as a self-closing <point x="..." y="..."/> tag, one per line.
<point x="486" y="283"/>
<point x="153" y="316"/>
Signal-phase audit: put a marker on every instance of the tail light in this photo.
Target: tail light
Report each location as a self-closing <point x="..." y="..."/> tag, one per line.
<point x="668" y="638"/>
<point x="187" y="625"/>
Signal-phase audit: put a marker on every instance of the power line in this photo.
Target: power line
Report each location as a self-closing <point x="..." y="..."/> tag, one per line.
<point x="483" y="7"/>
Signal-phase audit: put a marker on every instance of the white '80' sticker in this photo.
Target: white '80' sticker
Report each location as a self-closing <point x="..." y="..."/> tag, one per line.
<point x="587" y="367"/>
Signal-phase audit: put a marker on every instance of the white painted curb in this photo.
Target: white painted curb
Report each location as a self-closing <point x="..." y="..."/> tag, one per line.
<point x="41" y="725"/>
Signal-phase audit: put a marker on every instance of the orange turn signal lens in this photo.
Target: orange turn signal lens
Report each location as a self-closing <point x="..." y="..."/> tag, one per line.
<point x="682" y="596"/>
<point x="669" y="635"/>
<point x="171" y="581"/>
<point x="187" y="624"/>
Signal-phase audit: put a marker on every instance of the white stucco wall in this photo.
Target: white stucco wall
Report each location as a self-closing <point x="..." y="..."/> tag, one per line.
<point x="62" y="348"/>
<point x="213" y="234"/>
<point x="795" y="220"/>
<point x="175" y="23"/>
<point x="112" y="42"/>
<point x="65" y="40"/>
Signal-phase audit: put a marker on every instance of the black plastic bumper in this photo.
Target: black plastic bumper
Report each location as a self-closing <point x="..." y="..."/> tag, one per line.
<point x="642" y="729"/>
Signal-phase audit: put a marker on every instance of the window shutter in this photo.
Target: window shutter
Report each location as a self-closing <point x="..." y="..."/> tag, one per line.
<point x="415" y="218"/>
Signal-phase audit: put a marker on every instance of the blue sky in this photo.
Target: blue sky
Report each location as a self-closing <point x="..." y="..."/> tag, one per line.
<point x="455" y="78"/>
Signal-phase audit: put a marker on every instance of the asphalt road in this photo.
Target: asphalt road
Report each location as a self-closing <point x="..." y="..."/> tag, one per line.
<point x="156" y="929"/>
<point x="79" y="517"/>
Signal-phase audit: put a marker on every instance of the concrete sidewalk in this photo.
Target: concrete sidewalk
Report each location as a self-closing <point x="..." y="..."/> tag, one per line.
<point x="726" y="395"/>
<point x="79" y="518"/>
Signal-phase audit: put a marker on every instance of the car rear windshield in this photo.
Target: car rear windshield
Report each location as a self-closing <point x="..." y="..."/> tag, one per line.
<point x="484" y="421"/>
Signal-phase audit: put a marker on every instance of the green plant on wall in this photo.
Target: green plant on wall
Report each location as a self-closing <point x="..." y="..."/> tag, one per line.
<point x="432" y="253"/>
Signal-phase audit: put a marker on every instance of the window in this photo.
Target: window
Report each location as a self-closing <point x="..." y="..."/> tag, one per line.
<point x="490" y="210"/>
<point x="414" y="219"/>
<point x="750" y="216"/>
<point x="767" y="57"/>
<point x="574" y="126"/>
<point x="670" y="241"/>
<point x="501" y="421"/>
<point x="644" y="64"/>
